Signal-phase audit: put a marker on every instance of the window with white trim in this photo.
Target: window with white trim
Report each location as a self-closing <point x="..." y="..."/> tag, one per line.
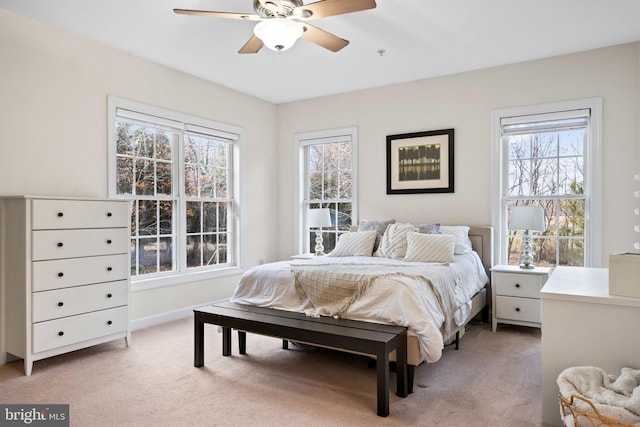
<point x="549" y="157"/>
<point x="178" y="172"/>
<point x="327" y="171"/>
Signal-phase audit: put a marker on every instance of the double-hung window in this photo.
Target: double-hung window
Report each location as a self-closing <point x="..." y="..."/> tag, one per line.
<point x="327" y="171"/>
<point x="178" y="171"/>
<point x="550" y="157"/>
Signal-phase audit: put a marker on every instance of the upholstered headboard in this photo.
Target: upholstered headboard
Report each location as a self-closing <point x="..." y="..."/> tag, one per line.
<point x="482" y="242"/>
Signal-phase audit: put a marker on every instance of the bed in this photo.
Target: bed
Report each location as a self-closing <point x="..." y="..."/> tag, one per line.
<point x="397" y="290"/>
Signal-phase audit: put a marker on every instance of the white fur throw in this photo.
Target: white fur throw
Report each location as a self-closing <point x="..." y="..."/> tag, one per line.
<point x="614" y="397"/>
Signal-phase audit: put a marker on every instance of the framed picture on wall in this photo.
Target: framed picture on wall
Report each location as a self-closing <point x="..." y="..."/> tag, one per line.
<point x="420" y="162"/>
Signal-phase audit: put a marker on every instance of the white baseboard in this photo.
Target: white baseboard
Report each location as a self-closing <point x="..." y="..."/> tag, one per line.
<point x="158" y="319"/>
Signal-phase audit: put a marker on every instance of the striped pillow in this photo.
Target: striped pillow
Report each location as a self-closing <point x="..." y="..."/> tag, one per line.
<point x="394" y="241"/>
<point x="430" y="247"/>
<point x="359" y="243"/>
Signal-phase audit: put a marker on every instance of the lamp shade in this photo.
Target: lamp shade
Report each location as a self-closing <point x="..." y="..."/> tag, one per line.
<point x="278" y="33"/>
<point x="527" y="218"/>
<point x="319" y="218"/>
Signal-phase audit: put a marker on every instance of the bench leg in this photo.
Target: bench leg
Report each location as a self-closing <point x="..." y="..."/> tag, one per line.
<point x="285" y="344"/>
<point x="383" y="383"/>
<point x="198" y="342"/>
<point x="242" y="342"/>
<point x="401" y="367"/>
<point x="226" y="341"/>
<point x="410" y="373"/>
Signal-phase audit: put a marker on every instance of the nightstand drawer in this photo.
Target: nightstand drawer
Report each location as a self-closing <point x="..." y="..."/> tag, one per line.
<point x="518" y="285"/>
<point x="520" y="309"/>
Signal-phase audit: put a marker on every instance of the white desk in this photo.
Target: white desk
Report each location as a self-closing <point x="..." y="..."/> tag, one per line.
<point x="582" y="325"/>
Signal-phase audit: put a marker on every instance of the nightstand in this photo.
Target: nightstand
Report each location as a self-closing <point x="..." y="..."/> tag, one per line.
<point x="516" y="295"/>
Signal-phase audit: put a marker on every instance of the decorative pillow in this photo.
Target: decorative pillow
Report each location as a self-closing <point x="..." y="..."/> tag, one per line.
<point x="461" y="233"/>
<point x="358" y="243"/>
<point x="428" y="228"/>
<point x="394" y="241"/>
<point x="430" y="247"/>
<point x="378" y="226"/>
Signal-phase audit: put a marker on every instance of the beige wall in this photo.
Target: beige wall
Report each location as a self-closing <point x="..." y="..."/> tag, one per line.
<point x="53" y="97"/>
<point x="465" y="102"/>
<point x="53" y="110"/>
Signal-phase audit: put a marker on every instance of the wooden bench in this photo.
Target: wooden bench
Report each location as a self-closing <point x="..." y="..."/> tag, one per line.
<point x="363" y="337"/>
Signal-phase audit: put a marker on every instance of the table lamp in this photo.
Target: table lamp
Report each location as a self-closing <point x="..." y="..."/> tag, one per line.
<point x="527" y="218"/>
<point x="318" y="218"/>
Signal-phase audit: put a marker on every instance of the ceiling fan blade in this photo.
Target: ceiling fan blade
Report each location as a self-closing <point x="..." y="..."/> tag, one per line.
<point x="253" y="45"/>
<point x="323" y="38"/>
<point x="227" y="15"/>
<point x="326" y="8"/>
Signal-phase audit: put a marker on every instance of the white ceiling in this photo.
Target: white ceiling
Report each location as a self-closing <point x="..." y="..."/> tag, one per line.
<point x="421" y="38"/>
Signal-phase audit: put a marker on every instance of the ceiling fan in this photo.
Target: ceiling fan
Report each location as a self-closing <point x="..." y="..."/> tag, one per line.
<point x="282" y="22"/>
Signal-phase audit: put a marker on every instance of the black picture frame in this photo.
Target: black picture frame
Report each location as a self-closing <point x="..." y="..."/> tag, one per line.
<point x="420" y="162"/>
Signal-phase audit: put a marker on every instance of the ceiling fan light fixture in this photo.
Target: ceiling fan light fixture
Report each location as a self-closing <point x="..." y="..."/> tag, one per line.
<point x="278" y="33"/>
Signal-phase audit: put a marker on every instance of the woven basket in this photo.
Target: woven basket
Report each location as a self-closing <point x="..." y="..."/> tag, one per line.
<point x="583" y="418"/>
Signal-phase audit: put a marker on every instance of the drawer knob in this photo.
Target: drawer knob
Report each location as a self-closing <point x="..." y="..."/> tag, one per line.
<point x="60" y="333"/>
<point x="109" y="242"/>
<point x="109" y="322"/>
<point x="60" y="214"/>
<point x="109" y="268"/>
<point x="60" y="304"/>
<point x="517" y="308"/>
<point x="60" y="244"/>
<point x="60" y="274"/>
<point x="109" y="214"/>
<point x="517" y="285"/>
<point x="109" y="295"/>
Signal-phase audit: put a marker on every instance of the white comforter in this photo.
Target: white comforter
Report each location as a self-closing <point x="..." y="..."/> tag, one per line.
<point x="400" y="300"/>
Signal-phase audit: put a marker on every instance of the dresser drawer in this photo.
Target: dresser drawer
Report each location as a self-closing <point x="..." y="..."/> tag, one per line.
<point x="518" y="285"/>
<point x="521" y="309"/>
<point x="66" y="214"/>
<point x="64" y="273"/>
<point x="57" y="244"/>
<point x="59" y="303"/>
<point x="75" y="329"/>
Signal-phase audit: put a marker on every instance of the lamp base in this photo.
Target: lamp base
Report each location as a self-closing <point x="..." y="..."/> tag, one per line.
<point x="526" y="252"/>
<point x="319" y="248"/>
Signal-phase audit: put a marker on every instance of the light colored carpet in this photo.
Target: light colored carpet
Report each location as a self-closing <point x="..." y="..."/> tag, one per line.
<point x="493" y="380"/>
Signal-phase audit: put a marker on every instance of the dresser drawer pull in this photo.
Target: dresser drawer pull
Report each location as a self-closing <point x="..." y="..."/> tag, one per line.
<point x="109" y="214"/>
<point x="109" y="242"/>
<point x="109" y="322"/>
<point x="109" y="268"/>
<point x="60" y="244"/>
<point x="60" y="214"/>
<point x="517" y="285"/>
<point x="109" y="295"/>
<point x="60" y="274"/>
<point x="60" y="304"/>
<point x="517" y="308"/>
<point x="61" y="333"/>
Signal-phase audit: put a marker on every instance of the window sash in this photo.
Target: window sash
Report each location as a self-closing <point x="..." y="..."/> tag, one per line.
<point x="580" y="110"/>
<point x="227" y="136"/>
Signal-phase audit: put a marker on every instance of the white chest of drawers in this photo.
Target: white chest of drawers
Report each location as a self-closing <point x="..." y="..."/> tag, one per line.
<point x="64" y="278"/>
<point x="516" y="295"/>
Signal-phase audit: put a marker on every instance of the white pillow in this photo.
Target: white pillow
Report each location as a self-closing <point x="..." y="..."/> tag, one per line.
<point x="430" y="247"/>
<point x="358" y="243"/>
<point x="394" y="241"/>
<point x="461" y="233"/>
